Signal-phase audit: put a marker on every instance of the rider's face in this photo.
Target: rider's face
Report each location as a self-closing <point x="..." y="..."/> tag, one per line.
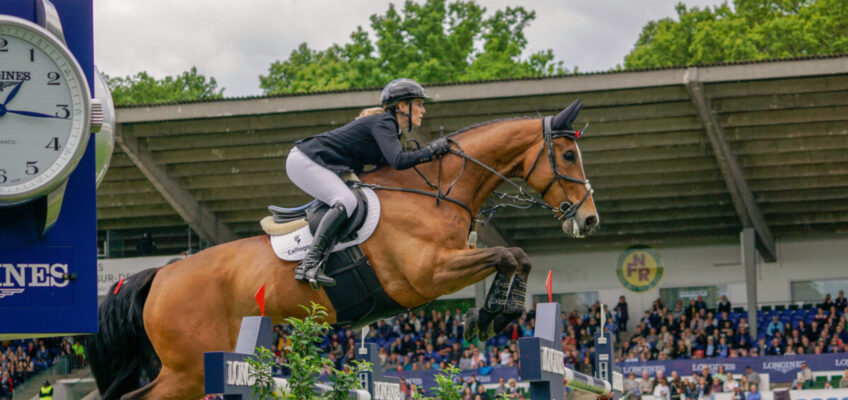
<point x="418" y="110"/>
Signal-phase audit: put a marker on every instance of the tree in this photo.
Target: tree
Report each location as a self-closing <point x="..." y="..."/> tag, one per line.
<point x="145" y="89"/>
<point x="750" y="30"/>
<point x="430" y="42"/>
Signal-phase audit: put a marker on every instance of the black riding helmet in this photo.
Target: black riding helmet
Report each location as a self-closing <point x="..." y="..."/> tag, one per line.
<point x="399" y="90"/>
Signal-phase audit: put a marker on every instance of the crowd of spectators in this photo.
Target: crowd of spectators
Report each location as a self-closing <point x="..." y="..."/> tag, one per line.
<point x="22" y="359"/>
<point x="698" y="386"/>
<point x="429" y="340"/>
<point x="694" y="331"/>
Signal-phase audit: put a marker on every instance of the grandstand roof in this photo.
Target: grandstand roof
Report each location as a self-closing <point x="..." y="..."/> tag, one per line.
<point x="677" y="156"/>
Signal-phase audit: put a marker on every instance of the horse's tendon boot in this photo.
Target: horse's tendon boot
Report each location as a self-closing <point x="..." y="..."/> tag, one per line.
<point x="496" y="296"/>
<point x="515" y="296"/>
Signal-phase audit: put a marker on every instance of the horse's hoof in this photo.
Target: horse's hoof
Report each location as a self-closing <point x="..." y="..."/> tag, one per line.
<point x="486" y="333"/>
<point x="471" y="318"/>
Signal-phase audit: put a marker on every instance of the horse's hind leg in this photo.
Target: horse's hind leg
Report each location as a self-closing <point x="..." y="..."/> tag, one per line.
<point x="170" y="385"/>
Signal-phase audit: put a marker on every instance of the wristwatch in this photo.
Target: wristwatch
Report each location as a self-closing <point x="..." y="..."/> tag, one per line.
<point x="46" y="117"/>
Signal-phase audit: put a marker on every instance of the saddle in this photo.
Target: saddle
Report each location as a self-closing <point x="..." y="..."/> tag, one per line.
<point x="285" y="220"/>
<point x="358" y="298"/>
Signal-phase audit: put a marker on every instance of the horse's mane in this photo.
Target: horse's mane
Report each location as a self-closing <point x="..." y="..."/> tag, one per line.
<point x="482" y="124"/>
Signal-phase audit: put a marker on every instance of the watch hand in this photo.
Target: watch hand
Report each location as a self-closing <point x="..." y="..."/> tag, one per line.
<point x="33" y="114"/>
<point x="13" y="93"/>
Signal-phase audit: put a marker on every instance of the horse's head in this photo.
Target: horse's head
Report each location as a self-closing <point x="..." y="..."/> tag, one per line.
<point x="556" y="172"/>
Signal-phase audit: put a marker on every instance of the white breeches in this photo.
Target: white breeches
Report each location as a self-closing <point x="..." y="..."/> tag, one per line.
<point x="319" y="182"/>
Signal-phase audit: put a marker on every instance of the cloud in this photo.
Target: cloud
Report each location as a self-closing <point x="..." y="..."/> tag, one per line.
<point x="236" y="41"/>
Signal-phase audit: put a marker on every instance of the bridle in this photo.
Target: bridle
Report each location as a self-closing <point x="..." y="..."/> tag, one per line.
<point x="566" y="209"/>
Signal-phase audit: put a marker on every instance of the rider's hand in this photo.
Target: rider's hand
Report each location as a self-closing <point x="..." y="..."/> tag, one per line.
<point x="439" y="146"/>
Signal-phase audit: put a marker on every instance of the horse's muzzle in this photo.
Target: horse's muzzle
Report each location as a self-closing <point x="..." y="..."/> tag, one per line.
<point x="580" y="226"/>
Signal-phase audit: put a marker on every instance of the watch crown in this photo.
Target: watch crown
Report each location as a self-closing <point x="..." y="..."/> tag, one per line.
<point x="96" y="115"/>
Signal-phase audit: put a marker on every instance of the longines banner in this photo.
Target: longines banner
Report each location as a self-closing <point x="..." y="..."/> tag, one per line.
<point x="780" y="368"/>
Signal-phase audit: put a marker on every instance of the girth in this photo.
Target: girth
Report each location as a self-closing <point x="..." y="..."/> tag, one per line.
<point x="358" y="297"/>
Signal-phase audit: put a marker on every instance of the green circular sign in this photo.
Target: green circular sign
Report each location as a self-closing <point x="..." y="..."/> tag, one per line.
<point x="639" y="269"/>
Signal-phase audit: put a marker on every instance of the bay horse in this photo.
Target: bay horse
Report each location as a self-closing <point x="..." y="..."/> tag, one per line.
<point x="162" y="320"/>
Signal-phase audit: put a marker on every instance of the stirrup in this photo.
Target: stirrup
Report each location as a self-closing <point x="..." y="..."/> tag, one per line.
<point x="318" y="278"/>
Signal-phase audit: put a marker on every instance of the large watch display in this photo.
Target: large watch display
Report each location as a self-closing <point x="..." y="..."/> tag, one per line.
<point x="46" y="114"/>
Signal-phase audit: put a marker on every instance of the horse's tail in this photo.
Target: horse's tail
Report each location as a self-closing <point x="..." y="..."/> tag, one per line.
<point x="121" y="352"/>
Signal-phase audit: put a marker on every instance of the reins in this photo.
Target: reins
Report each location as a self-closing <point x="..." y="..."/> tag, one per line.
<point x="566" y="210"/>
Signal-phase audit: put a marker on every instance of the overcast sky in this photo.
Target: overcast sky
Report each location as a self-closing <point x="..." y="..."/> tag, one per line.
<point x="236" y="40"/>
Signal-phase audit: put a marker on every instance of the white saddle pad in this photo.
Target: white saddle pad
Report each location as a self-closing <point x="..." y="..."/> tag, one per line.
<point x="293" y="246"/>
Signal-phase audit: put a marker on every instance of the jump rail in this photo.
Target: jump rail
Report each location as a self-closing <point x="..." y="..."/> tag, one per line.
<point x="542" y="361"/>
<point x="228" y="373"/>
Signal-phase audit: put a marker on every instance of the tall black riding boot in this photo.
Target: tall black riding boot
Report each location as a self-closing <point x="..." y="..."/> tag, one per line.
<point x="311" y="269"/>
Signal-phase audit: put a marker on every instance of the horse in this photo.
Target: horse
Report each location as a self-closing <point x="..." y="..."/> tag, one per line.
<point x="161" y="320"/>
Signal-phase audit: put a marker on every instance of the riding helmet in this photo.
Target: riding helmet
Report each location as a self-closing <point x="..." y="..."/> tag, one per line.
<point x="402" y="89"/>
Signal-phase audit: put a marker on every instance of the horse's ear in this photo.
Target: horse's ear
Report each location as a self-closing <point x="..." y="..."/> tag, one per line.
<point x="563" y="120"/>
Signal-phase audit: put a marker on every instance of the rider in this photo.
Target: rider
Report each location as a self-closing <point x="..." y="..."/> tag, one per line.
<point x="372" y="139"/>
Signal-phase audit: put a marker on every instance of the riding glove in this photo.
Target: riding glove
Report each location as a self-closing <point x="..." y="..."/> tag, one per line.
<point x="439" y="146"/>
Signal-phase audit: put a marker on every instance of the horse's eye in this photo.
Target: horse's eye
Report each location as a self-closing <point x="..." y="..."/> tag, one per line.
<point x="569" y="156"/>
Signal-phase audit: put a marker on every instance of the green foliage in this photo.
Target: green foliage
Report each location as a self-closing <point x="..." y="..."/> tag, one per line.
<point x="260" y="370"/>
<point x="343" y="381"/>
<point x="304" y="357"/>
<point x="447" y="385"/>
<point x="749" y="30"/>
<point x="431" y="42"/>
<point x="145" y="89"/>
<point x="305" y="362"/>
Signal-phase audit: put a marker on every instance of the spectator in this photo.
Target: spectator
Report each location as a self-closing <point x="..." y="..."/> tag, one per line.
<point x="737" y="394"/>
<point x="661" y="389"/>
<point x="631" y="385"/>
<point x="512" y="389"/>
<point x="753" y="394"/>
<point x="729" y="384"/>
<point x="773" y="326"/>
<point x="843" y="383"/>
<point x="841" y="302"/>
<point x="703" y="390"/>
<point x="723" y="305"/>
<point x="752" y="377"/>
<point x="500" y="391"/>
<point x="646" y="384"/>
<point x="46" y="391"/>
<point x="805" y="374"/>
<point x="481" y="393"/>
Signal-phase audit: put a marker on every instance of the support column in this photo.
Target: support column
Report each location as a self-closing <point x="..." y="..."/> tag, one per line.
<point x="747" y="241"/>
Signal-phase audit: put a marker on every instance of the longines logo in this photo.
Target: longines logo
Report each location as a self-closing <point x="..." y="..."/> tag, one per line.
<point x="12" y="78"/>
<point x="782" y="366"/>
<point x="16" y="278"/>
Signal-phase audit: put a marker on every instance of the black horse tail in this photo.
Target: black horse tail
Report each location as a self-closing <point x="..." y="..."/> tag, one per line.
<point x="120" y="354"/>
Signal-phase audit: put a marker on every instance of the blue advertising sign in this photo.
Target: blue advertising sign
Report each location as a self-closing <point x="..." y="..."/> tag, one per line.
<point x="779" y="368"/>
<point x="48" y="285"/>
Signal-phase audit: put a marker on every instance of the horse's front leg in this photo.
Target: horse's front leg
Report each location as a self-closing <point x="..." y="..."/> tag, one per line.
<point x="516" y="291"/>
<point x="467" y="267"/>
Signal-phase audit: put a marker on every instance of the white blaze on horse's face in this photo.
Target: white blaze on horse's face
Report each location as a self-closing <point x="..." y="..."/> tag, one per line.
<point x="586" y="220"/>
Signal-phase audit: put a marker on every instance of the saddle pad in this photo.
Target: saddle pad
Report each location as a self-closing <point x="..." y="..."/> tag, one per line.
<point x="294" y="245"/>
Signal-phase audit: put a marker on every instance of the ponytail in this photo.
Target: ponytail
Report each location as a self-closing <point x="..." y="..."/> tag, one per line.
<point x="371" y="111"/>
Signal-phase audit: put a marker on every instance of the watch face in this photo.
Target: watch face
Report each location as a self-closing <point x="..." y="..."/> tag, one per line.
<point x="43" y="110"/>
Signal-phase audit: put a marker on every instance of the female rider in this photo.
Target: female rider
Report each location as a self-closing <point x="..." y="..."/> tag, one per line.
<point x="372" y="139"/>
